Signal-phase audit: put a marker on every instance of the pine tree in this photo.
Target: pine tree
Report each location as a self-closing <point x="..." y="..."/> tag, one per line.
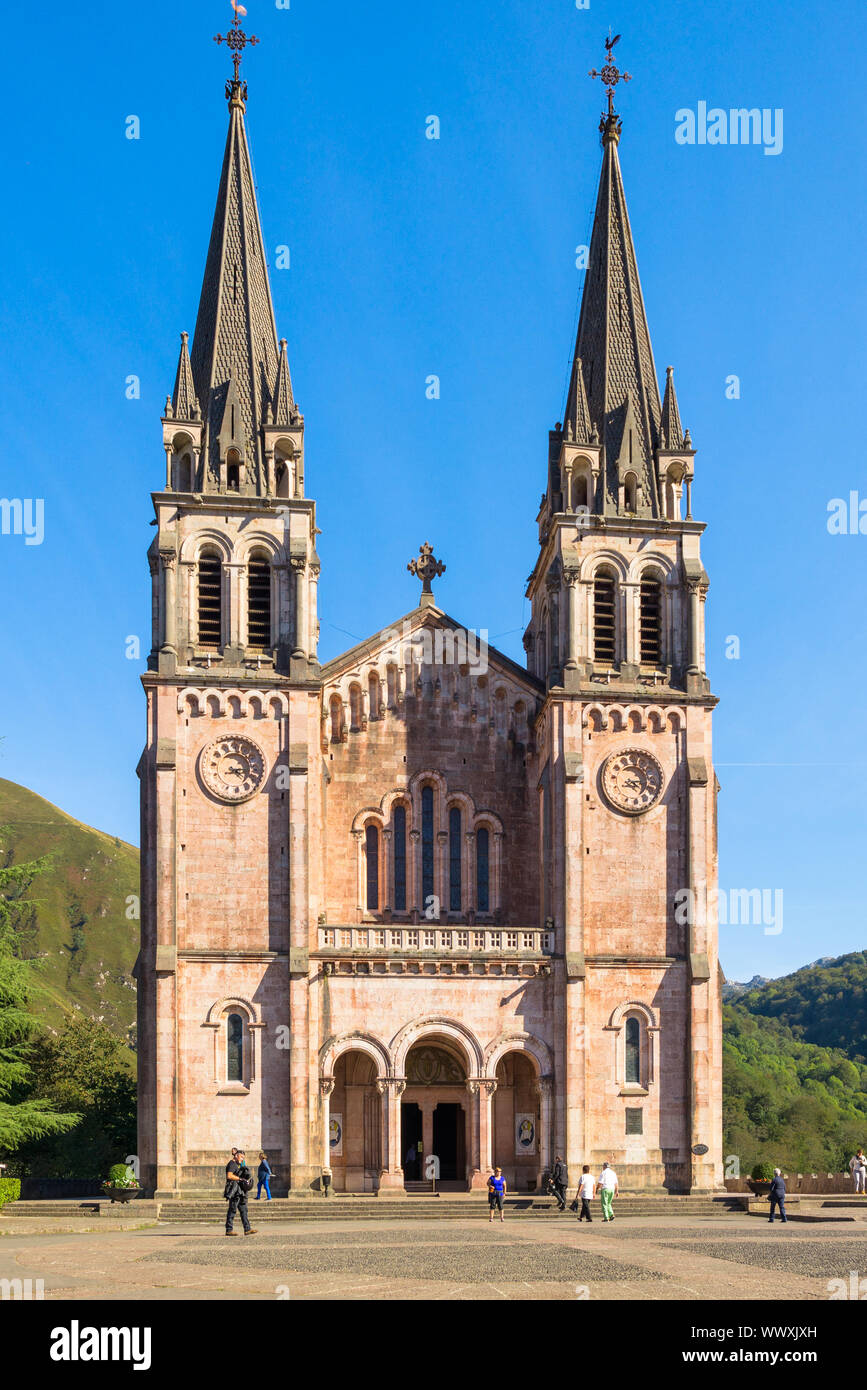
<point x="21" y="1118"/>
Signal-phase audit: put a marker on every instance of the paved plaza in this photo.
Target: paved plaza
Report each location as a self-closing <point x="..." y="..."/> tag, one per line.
<point x="659" y="1258"/>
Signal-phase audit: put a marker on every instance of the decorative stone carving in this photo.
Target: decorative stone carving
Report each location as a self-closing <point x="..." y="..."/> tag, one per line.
<point x="632" y="780"/>
<point x="232" y="768"/>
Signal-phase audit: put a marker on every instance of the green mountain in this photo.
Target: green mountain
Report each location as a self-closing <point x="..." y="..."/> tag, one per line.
<point x="823" y="1003"/>
<point x="73" y="917"/>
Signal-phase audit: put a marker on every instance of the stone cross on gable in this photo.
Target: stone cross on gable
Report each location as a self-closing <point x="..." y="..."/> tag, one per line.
<point x="426" y="567"/>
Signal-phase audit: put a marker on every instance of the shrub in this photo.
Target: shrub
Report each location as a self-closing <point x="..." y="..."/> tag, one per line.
<point x="762" y="1172"/>
<point x="119" y="1175"/>
<point x="10" y="1190"/>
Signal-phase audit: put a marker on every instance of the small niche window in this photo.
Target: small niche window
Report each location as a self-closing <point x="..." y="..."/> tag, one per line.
<point x="233" y="471"/>
<point x="630" y="492"/>
<point x="210" y="600"/>
<point x="371" y="850"/>
<point x="259" y="602"/>
<point x="651" y="622"/>
<point x="604" y="625"/>
<point x="235" y="1048"/>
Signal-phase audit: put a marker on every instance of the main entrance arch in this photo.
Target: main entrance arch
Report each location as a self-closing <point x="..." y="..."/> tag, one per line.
<point x="435" y="1112"/>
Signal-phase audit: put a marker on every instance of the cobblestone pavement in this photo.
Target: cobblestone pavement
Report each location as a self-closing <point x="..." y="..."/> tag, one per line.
<point x="646" y="1258"/>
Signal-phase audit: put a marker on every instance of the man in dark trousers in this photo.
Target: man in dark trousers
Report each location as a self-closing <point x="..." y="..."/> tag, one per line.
<point x="239" y="1180"/>
<point x="558" y="1182"/>
<point x="777" y="1196"/>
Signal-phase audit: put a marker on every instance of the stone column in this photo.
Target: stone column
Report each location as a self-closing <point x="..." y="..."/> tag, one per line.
<point x="570" y="574"/>
<point x="427" y="1110"/>
<point x="168" y="558"/>
<point x="358" y="837"/>
<point x="391" y="1088"/>
<point x="386" y="886"/>
<point x="234" y="572"/>
<point x="313" y="624"/>
<point x="297" y="818"/>
<point x="326" y="1086"/>
<point x="299" y="567"/>
<point x="487" y="1087"/>
<point x="694" y="622"/>
<point x="168" y="449"/>
<point x="495" y="872"/>
<point x="544" y="1088"/>
<point x="414" y="866"/>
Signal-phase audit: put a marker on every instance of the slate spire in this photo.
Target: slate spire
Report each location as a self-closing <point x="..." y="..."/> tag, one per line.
<point x="613" y="356"/>
<point x="185" y="405"/>
<point x="671" y="432"/>
<point x="235" y="339"/>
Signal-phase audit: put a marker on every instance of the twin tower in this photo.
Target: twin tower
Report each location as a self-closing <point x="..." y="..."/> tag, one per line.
<point x="401" y="906"/>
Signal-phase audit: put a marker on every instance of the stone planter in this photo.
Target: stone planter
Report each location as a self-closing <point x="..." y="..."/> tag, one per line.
<point x="122" y="1194"/>
<point x="760" y="1187"/>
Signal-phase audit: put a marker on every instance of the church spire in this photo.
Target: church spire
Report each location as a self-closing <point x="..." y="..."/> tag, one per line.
<point x="670" y="430"/>
<point x="235" y="342"/>
<point x="613" y="351"/>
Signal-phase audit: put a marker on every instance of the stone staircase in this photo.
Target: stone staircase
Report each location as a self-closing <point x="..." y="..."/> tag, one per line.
<point x="363" y="1207"/>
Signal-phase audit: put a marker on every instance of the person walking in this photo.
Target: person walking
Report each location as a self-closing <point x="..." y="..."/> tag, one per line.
<point x="239" y="1180"/>
<point x="558" y="1182"/>
<point x="608" y="1190"/>
<point x="586" y="1192"/>
<point x="264" y="1175"/>
<point x="777" y="1196"/>
<point x="858" y="1169"/>
<point x="496" y="1192"/>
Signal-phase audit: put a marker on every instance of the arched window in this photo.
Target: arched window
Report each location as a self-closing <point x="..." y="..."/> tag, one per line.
<point x="650" y="623"/>
<point x="427" y="844"/>
<point x="373" y="694"/>
<point x="233" y="471"/>
<point x="184" y="474"/>
<point x="210" y="600"/>
<point x="336" y="710"/>
<point x="604" y="626"/>
<point x="482" y="870"/>
<point x="399" y="832"/>
<point x="283" y="477"/>
<point x="235" y="1048"/>
<point x="454" y="860"/>
<point x="579" y="492"/>
<point x="259" y="602"/>
<point x="371" y="850"/>
<point x="355" y="710"/>
<point x="630" y="492"/>
<point x="632" y="1071"/>
<point x="391" y="686"/>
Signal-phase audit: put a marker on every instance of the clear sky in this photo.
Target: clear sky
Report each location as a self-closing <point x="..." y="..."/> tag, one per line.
<point x="456" y="257"/>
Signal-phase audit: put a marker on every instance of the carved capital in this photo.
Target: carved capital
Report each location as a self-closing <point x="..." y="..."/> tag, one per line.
<point x="326" y="1085"/>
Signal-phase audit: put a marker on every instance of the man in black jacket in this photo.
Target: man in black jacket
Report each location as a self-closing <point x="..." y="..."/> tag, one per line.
<point x="239" y="1180"/>
<point x="777" y="1196"/>
<point x="558" y="1182"/>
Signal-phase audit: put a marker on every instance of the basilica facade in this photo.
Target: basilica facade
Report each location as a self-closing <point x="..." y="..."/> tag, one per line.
<point x="421" y="902"/>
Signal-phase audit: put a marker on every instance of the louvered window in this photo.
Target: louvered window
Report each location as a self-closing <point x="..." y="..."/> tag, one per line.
<point x="651" y="622"/>
<point x="604" y="628"/>
<point x="210" y="601"/>
<point x="259" y="603"/>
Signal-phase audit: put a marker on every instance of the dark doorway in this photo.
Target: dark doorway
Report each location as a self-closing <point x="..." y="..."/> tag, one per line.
<point x="448" y="1141"/>
<point x="411" y="1140"/>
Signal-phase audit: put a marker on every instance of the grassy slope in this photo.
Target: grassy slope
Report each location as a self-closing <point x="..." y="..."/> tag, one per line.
<point x="86" y="885"/>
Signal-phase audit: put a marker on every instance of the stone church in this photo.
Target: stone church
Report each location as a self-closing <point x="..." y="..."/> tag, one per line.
<point x="422" y="901"/>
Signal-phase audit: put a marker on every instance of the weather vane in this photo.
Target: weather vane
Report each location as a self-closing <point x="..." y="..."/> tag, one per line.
<point x="426" y="567"/>
<point x="611" y="74"/>
<point x="237" y="41"/>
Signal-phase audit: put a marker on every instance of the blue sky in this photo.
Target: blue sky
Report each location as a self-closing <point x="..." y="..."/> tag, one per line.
<point x="455" y="257"/>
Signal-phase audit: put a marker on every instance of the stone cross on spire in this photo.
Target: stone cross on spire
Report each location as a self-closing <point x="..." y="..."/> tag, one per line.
<point x="237" y="41"/>
<point x="426" y="567"/>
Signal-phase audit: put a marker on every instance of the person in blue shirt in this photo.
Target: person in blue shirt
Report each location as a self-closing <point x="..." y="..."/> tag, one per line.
<point x="263" y="1173"/>
<point x="777" y="1196"/>
<point x="496" y="1192"/>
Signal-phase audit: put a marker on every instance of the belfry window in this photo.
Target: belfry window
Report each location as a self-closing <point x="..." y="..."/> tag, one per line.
<point x="400" y="859"/>
<point x="650" y="624"/>
<point x="630" y="493"/>
<point x="427" y="844"/>
<point x="632" y="1072"/>
<point x="482" y="870"/>
<point x="210" y="598"/>
<point x="371" y="850"/>
<point x="454" y="860"/>
<point x="604" y="626"/>
<point x="259" y="602"/>
<point x="234" y="1048"/>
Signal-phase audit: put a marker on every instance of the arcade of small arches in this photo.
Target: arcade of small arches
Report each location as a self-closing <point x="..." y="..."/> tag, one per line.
<point x="184" y="474"/>
<point x="383" y="690"/>
<point x="580" y="481"/>
<point x="426" y="845"/>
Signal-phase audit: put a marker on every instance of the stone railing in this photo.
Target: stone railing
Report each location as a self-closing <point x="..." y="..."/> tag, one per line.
<point x="469" y="941"/>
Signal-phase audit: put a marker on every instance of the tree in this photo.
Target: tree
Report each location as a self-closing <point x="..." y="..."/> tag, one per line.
<point x="23" y="1117"/>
